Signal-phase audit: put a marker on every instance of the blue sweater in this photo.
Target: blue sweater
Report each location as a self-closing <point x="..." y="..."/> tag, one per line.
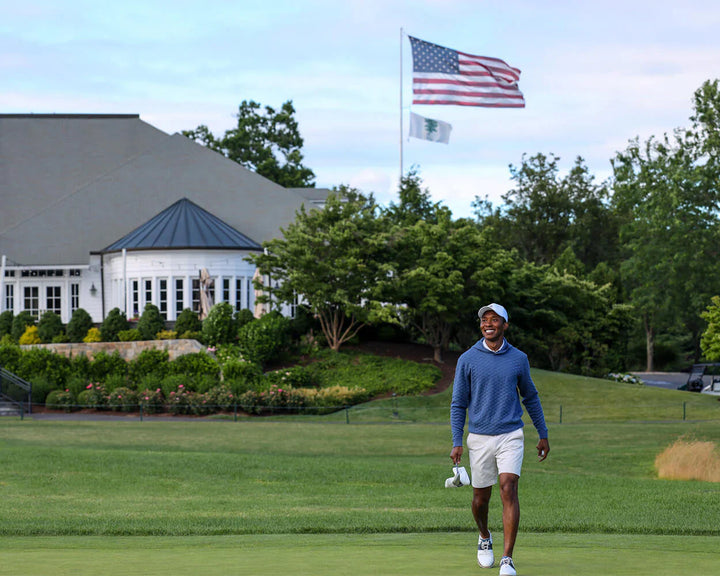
<point x="486" y="389"/>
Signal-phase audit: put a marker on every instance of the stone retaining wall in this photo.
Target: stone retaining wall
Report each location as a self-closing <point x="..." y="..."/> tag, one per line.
<point x="127" y="350"/>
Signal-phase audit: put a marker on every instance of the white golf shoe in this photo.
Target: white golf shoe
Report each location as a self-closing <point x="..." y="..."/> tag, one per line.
<point x="485" y="556"/>
<point x="507" y="568"/>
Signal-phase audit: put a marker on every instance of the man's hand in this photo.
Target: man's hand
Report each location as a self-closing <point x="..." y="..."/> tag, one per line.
<point x="456" y="454"/>
<point x="543" y="448"/>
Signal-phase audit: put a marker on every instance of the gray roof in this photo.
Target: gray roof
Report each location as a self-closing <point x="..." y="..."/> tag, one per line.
<point x="71" y="184"/>
<point x="184" y="225"/>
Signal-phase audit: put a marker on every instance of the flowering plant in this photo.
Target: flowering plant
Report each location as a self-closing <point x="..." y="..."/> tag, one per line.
<point x="122" y="398"/>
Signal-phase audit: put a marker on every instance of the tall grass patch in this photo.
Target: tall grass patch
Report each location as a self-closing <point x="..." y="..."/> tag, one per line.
<point x="689" y="460"/>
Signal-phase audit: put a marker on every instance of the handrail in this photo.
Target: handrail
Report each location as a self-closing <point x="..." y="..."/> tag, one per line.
<point x="14" y="379"/>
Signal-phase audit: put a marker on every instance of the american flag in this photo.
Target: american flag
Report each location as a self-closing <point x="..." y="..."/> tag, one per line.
<point x="445" y="76"/>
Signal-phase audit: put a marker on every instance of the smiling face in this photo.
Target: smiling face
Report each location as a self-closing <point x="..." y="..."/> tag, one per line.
<point x="493" y="328"/>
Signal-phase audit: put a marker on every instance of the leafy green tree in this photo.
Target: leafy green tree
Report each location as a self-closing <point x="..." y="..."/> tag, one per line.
<point x="666" y="191"/>
<point x="438" y="278"/>
<point x="151" y="322"/>
<point x="710" y="341"/>
<point x="565" y="323"/>
<point x="114" y="322"/>
<point x="267" y="142"/>
<point x="545" y="213"/>
<point x="331" y="259"/>
<point x="49" y="326"/>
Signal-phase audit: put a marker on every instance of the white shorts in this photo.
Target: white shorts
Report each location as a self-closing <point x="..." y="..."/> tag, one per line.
<point x="493" y="455"/>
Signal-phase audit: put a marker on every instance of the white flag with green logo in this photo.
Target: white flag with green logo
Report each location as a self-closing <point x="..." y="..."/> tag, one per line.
<point x="429" y="129"/>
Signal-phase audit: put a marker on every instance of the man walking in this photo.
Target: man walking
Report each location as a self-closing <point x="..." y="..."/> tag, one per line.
<point x="490" y="378"/>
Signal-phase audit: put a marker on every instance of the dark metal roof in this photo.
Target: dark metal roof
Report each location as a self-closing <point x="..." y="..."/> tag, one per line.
<point x="184" y="225"/>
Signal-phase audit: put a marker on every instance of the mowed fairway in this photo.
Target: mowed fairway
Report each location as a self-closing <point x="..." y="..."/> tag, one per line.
<point x="294" y="497"/>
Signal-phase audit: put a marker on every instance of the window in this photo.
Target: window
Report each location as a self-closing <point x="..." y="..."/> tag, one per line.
<point x="148" y="292"/>
<point x="74" y="297"/>
<point x="226" y="289"/>
<point x="196" y="295"/>
<point x="31" y="300"/>
<point x="9" y="297"/>
<point x="135" y="296"/>
<point x="53" y="302"/>
<point x="239" y="296"/>
<point x="179" y="296"/>
<point x="163" y="301"/>
<point x="250" y="290"/>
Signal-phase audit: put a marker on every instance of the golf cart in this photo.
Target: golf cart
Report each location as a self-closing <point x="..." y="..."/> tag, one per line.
<point x="696" y="382"/>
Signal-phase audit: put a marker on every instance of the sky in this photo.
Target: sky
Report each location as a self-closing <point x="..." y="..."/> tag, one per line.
<point x="595" y="75"/>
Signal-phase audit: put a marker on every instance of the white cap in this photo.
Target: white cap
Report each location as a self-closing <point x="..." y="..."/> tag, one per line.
<point x="499" y="310"/>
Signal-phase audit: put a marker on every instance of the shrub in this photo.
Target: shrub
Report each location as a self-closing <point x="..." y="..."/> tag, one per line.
<point x="93" y="335"/>
<point x="79" y="325"/>
<point x="75" y="385"/>
<point x="285" y="400"/>
<point x="41" y="387"/>
<point x="122" y="399"/>
<point x="237" y="369"/>
<point x="105" y="365"/>
<point x="114" y="322"/>
<point x="132" y="335"/>
<point x="50" y="326"/>
<point x="80" y="365"/>
<point x="20" y="323"/>
<point x="242" y="317"/>
<point x="60" y="338"/>
<point x="151" y="402"/>
<point x="94" y="396"/>
<point x="263" y="340"/>
<point x="196" y="364"/>
<point x="187" y="321"/>
<point x="30" y="336"/>
<point x="182" y="402"/>
<point x="6" y="320"/>
<point x="149" y="362"/>
<point x="114" y="381"/>
<point x="7" y="340"/>
<point x="166" y="335"/>
<point x="42" y="362"/>
<point x="296" y="377"/>
<point x="190" y="335"/>
<point x="221" y="397"/>
<point x="151" y="322"/>
<point x="9" y="354"/>
<point x="174" y="383"/>
<point x="60" y="399"/>
<point x="219" y="327"/>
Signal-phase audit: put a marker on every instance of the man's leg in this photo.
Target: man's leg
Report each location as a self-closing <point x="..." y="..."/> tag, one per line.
<point x="511" y="510"/>
<point x="480" y="507"/>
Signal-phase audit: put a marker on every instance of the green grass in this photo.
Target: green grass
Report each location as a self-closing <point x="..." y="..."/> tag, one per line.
<point x="318" y="496"/>
<point x="445" y="554"/>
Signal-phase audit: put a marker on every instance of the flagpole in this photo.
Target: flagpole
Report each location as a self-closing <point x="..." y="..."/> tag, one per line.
<point x="401" y="107"/>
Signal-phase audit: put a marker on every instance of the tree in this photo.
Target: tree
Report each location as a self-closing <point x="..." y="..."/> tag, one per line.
<point x="331" y="260"/>
<point x="666" y="191"/>
<point x="545" y="213"/>
<point x="268" y="143"/>
<point x="710" y="341"/>
<point x="435" y="265"/>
